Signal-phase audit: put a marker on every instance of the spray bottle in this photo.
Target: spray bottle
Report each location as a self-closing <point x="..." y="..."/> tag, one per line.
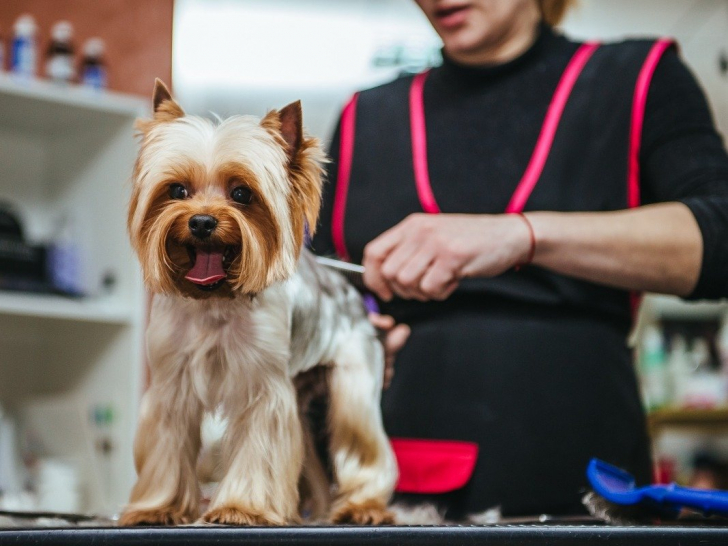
<point x="59" y="62"/>
<point x="93" y="67"/>
<point x="24" y="54"/>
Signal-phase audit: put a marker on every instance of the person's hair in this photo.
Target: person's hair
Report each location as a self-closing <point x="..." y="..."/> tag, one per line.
<point x="553" y="11"/>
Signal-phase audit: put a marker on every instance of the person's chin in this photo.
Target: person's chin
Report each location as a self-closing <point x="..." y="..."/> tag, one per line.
<point x="460" y="46"/>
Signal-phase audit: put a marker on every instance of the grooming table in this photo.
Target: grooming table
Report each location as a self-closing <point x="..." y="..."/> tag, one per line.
<point x="491" y="535"/>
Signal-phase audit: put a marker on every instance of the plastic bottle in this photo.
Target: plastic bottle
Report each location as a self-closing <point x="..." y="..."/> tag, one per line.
<point x="704" y="388"/>
<point x="93" y="67"/>
<point x="722" y="348"/>
<point x="680" y="369"/>
<point x="59" y="62"/>
<point x="10" y="480"/>
<point x="653" y="369"/>
<point x="24" y="54"/>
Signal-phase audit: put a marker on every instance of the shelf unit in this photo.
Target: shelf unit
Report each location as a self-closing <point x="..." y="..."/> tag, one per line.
<point x="695" y="420"/>
<point x="659" y="307"/>
<point x="66" y="155"/>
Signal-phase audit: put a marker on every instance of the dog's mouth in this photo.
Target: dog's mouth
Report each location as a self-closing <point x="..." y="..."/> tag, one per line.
<point x="209" y="265"/>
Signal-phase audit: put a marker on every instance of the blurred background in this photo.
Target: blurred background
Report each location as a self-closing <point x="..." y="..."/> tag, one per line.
<point x="74" y="74"/>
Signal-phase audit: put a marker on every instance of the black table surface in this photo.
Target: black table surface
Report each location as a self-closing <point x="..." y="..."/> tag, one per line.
<point x="491" y="535"/>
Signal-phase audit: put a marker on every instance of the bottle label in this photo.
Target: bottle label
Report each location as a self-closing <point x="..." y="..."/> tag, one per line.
<point x="95" y="77"/>
<point x="60" y="68"/>
<point x="23" y="57"/>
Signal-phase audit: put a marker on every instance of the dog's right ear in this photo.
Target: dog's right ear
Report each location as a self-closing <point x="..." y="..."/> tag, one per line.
<point x="165" y="108"/>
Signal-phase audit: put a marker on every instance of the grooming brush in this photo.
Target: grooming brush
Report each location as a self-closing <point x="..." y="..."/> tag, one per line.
<point x="621" y="500"/>
<point x="355" y="275"/>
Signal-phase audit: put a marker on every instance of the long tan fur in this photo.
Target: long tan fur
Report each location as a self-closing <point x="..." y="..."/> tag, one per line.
<point x="235" y="347"/>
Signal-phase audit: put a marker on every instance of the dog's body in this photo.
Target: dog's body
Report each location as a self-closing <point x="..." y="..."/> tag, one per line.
<point x="238" y="312"/>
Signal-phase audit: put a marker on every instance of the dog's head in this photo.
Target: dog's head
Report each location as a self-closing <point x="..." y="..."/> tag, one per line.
<point x="220" y="208"/>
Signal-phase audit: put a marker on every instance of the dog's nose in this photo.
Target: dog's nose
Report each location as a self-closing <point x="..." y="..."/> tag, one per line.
<point x="202" y="225"/>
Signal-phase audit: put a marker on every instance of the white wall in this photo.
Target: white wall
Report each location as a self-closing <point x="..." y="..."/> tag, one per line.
<point x="248" y="56"/>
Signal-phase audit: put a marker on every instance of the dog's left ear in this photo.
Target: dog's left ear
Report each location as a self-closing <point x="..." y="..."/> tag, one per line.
<point x="305" y="160"/>
<point x="288" y="123"/>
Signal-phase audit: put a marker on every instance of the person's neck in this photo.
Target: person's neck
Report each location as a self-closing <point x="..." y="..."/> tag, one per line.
<point x="516" y="41"/>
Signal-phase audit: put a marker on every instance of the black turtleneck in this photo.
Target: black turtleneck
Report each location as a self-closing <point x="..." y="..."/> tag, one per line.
<point x="473" y="113"/>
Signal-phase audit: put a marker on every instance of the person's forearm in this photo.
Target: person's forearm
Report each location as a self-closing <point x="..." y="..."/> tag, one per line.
<point x="656" y="248"/>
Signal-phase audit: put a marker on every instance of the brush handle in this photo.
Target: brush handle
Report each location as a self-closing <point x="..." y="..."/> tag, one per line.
<point x="354" y="273"/>
<point x="340" y="265"/>
<point x="707" y="501"/>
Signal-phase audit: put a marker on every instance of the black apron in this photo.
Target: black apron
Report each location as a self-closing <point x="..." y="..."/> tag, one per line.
<point x="506" y="390"/>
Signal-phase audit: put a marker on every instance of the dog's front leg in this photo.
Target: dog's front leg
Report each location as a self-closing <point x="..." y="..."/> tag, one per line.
<point x="263" y="454"/>
<point x="364" y="465"/>
<point x="165" y="451"/>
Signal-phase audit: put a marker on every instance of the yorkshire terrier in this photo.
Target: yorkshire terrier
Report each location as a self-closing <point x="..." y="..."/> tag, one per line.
<point x="218" y="216"/>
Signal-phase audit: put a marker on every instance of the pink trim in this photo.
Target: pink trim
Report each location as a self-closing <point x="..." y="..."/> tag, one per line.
<point x="638" y="115"/>
<point x="433" y="466"/>
<point x="419" y="144"/>
<point x="548" y="130"/>
<point x="346" y="154"/>
<point x="639" y="103"/>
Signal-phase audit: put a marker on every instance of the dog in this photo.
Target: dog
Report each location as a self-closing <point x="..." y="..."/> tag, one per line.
<point x="240" y="309"/>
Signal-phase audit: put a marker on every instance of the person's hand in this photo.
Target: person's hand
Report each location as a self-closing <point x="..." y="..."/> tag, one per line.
<point x="425" y="256"/>
<point x="394" y="338"/>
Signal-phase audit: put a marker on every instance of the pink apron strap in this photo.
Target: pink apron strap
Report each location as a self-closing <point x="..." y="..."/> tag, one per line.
<point x="419" y="144"/>
<point x="346" y="154"/>
<point x="540" y="154"/>
<point x="548" y="130"/>
<point x="639" y="103"/>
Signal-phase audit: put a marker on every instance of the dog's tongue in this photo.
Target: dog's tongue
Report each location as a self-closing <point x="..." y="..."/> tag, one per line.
<point x="207" y="269"/>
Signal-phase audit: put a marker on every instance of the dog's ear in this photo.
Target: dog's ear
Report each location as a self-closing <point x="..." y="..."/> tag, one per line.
<point x="165" y="107"/>
<point x="288" y="123"/>
<point x="292" y="127"/>
<point x="305" y="160"/>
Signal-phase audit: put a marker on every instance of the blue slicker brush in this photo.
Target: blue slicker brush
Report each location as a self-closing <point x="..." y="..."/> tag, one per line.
<point x="618" y="487"/>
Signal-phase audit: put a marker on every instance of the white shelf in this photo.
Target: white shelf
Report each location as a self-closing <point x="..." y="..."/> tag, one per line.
<point x="72" y="95"/>
<point x="671" y="307"/>
<point x="31" y="105"/>
<point x="67" y="152"/>
<point x="58" y="307"/>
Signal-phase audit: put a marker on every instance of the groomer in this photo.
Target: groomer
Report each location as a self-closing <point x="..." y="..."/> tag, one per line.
<point x="510" y="206"/>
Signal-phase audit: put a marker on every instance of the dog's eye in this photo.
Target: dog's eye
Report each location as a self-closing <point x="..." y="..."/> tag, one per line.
<point x="177" y="191"/>
<point x="242" y="195"/>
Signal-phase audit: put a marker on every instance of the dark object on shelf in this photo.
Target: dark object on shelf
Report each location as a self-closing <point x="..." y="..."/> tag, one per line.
<point x="23" y="266"/>
<point x="511" y="535"/>
<point x="9" y="224"/>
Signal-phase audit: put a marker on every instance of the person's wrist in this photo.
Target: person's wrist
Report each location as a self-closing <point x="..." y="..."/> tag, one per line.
<point x="526" y="241"/>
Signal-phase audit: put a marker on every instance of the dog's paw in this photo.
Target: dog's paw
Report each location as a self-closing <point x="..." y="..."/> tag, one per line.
<point x="369" y="513"/>
<point x="235" y="515"/>
<point x="160" y="516"/>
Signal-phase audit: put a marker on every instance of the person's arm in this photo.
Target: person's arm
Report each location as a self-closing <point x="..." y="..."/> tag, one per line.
<point x="679" y="243"/>
<point x="675" y="246"/>
<point x="655" y="248"/>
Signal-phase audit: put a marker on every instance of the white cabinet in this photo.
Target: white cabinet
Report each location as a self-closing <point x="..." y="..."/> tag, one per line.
<point x="66" y="155"/>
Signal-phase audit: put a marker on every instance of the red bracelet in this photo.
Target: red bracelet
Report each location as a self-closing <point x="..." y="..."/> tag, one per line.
<point x="532" y="236"/>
